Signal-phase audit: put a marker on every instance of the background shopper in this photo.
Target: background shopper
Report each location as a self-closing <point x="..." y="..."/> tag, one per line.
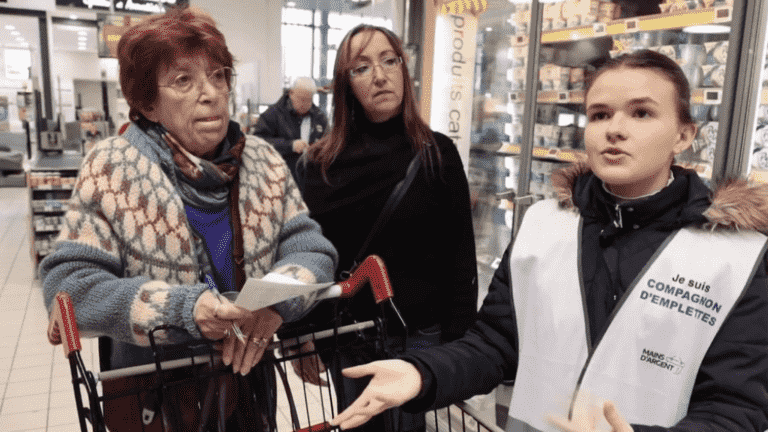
<point x="623" y="304"/>
<point x="293" y="123"/>
<point x="427" y="243"/>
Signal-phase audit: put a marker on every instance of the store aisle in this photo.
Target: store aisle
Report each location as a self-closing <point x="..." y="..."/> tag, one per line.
<point x="35" y="383"/>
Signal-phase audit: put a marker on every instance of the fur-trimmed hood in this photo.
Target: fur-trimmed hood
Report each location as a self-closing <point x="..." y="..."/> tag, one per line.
<point x="734" y="204"/>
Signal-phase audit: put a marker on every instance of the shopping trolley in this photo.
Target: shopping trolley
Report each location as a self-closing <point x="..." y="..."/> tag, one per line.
<point x="310" y="407"/>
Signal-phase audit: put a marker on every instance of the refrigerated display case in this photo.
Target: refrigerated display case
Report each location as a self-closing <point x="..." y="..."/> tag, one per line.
<point x="518" y="139"/>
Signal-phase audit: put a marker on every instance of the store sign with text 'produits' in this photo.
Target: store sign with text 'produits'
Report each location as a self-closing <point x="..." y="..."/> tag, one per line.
<point x="452" y="77"/>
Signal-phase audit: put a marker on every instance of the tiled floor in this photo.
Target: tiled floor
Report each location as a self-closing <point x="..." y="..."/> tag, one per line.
<point x="36" y="392"/>
<point x="35" y="387"/>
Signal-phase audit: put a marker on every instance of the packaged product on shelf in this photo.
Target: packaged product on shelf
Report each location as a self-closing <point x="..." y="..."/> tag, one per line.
<point x="713" y="75"/>
<point x="538" y="135"/>
<point x="576" y="79"/>
<point x="568" y="136"/>
<point x="608" y="11"/>
<point x="571" y="13"/>
<point x="760" y="158"/>
<point x="717" y="52"/>
<point x="691" y="54"/>
<point x="698" y="145"/>
<point x="669" y="51"/>
<point x="762" y="115"/>
<point x="551" y="135"/>
<point x="624" y="42"/>
<point x="761" y="137"/>
<point x="552" y="14"/>
<point x="679" y="5"/>
<point x="546" y="113"/>
<point x="644" y="40"/>
<point x="700" y="112"/>
<point x="708" y="132"/>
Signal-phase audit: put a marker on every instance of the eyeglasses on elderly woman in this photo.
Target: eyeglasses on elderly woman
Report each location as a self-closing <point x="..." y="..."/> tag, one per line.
<point x="222" y="79"/>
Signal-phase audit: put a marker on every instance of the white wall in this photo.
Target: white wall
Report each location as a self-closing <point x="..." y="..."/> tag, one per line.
<point x="252" y="31"/>
<point x="70" y="66"/>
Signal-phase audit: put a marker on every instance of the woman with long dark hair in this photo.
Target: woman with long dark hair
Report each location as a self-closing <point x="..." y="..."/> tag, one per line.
<point x="346" y="178"/>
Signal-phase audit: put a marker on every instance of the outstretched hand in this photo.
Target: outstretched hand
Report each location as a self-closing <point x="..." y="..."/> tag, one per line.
<point x="586" y="419"/>
<point x="393" y="383"/>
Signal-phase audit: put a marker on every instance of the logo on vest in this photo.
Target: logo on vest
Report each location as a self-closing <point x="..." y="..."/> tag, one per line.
<point x="669" y="362"/>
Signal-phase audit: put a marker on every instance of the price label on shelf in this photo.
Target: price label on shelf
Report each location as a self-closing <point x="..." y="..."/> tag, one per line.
<point x="722" y="15"/>
<point x="631" y="25"/>
<point x="600" y="29"/>
<point x="516" y="97"/>
<point x="712" y="97"/>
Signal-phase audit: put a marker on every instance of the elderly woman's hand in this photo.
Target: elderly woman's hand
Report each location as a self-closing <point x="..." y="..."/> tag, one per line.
<point x="215" y="315"/>
<point x="258" y="327"/>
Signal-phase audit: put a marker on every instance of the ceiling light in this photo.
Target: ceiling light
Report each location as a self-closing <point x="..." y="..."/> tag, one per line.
<point x="708" y="29"/>
<point x="82" y="33"/>
<point x="291" y="4"/>
<point x="73" y="16"/>
<point x="81" y="48"/>
<point x="488" y="29"/>
<point x="19" y="39"/>
<point x="82" y="38"/>
<point x="10" y="27"/>
<point x="15" y="33"/>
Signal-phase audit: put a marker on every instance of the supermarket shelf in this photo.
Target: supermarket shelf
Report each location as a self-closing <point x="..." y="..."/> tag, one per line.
<point x="48" y="229"/>
<point x="548" y="153"/>
<point x="672" y="20"/>
<point x="53" y="187"/>
<point x="704" y="96"/>
<point x="49" y="205"/>
<point x="558" y="96"/>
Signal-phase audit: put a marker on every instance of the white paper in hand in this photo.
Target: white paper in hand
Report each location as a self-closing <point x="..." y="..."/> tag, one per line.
<point x="261" y="293"/>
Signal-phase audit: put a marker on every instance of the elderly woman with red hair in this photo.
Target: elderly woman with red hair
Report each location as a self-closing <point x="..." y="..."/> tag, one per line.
<point x="181" y="206"/>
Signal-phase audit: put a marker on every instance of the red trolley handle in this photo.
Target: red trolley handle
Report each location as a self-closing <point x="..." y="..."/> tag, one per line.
<point x="62" y="320"/>
<point x="371" y="270"/>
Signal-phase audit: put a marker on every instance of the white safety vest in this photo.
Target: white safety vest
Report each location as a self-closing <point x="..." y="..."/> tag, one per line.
<point x="649" y="356"/>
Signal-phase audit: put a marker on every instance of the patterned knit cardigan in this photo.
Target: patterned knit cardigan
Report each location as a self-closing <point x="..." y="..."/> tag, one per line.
<point x="126" y="254"/>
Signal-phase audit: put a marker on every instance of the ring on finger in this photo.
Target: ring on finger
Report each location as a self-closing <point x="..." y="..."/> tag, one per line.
<point x="259" y="342"/>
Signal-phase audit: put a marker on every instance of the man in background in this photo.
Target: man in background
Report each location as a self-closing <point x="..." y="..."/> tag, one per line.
<point x="293" y="122"/>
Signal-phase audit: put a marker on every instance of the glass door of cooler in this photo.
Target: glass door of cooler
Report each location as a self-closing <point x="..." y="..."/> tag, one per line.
<point x="749" y="156"/>
<point x="578" y="36"/>
<point x="497" y="122"/>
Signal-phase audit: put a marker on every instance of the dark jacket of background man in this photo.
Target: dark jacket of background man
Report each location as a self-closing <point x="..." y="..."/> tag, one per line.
<point x="280" y="125"/>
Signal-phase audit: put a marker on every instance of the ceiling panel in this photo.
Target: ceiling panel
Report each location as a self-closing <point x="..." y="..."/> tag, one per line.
<point x="19" y="32"/>
<point x="72" y="37"/>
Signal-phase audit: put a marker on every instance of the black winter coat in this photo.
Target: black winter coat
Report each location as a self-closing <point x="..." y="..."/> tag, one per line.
<point x="428" y="242"/>
<point x="279" y="125"/>
<point x="731" y="388"/>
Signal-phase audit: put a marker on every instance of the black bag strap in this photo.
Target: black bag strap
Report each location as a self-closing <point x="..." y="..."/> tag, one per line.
<point x="394" y="199"/>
